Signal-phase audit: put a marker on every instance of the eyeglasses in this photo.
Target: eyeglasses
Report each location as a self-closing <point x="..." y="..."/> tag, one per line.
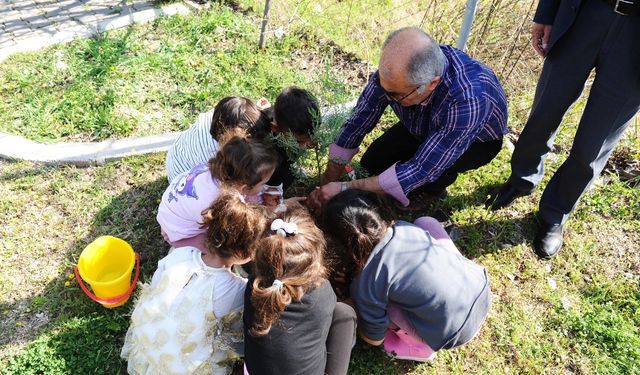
<point x="392" y="96"/>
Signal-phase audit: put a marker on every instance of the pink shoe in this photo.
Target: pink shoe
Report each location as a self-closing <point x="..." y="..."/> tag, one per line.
<point x="399" y="344"/>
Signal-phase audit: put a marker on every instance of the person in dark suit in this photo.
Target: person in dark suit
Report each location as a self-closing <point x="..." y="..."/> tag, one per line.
<point x="575" y="37"/>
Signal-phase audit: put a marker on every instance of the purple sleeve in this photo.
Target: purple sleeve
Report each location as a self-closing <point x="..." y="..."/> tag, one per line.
<point x="433" y="227"/>
<point x="341" y="155"/>
<point x="457" y="128"/>
<point x="366" y="114"/>
<point x="388" y="181"/>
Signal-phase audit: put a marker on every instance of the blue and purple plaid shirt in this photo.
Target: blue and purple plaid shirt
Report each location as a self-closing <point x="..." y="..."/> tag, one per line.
<point x="468" y="105"/>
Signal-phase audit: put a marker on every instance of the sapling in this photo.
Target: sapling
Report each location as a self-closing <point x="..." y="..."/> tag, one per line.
<point x="325" y="131"/>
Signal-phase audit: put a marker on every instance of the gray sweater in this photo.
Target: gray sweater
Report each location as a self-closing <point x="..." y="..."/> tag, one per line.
<point x="444" y="295"/>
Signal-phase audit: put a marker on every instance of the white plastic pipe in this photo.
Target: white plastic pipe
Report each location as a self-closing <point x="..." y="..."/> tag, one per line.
<point x="91" y="153"/>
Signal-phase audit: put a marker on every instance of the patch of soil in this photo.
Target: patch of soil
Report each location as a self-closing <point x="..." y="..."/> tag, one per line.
<point x="355" y="71"/>
<point x="624" y="165"/>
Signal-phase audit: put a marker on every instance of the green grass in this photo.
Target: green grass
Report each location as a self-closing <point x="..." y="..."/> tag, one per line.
<point x="154" y="78"/>
<point x="588" y="323"/>
<point x="578" y="313"/>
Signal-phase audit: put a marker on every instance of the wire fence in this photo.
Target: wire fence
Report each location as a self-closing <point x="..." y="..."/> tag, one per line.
<point x="499" y="35"/>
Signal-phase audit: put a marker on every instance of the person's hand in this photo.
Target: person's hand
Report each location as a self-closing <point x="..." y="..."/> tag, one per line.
<point x="270" y="200"/>
<point x="333" y="173"/>
<point x="322" y="194"/>
<point x="540" y="38"/>
<point x="263" y="103"/>
<point x="295" y="202"/>
<point x="328" y="191"/>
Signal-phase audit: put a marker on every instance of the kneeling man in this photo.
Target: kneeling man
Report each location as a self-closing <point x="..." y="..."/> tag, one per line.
<point x="452" y="115"/>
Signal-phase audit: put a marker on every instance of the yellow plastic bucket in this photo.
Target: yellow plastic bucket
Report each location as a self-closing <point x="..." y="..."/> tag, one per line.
<point x="106" y="265"/>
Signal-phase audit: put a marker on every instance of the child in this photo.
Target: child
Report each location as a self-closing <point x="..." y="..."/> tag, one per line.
<point x="188" y="320"/>
<point x="244" y="164"/>
<point x="410" y="285"/>
<point x="292" y="323"/>
<point x="199" y="143"/>
<point x="296" y="114"/>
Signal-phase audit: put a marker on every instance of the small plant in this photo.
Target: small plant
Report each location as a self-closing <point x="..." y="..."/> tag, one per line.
<point x="309" y="168"/>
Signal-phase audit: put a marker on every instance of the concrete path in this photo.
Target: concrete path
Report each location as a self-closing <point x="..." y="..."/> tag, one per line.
<point x="28" y="25"/>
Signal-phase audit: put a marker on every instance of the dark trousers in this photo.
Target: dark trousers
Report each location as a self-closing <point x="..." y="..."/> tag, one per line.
<point x="398" y="145"/>
<point x="340" y="340"/>
<point x="609" y="43"/>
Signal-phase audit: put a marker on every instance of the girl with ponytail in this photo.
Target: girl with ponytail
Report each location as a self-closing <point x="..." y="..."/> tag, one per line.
<point x="188" y="319"/>
<point x="292" y="323"/>
<point x="243" y="164"/>
<point x="411" y="287"/>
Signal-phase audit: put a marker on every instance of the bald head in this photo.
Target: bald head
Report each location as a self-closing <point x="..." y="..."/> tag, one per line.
<point x="411" y="54"/>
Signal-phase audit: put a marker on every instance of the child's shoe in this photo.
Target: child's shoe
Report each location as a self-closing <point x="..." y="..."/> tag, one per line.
<point x="399" y="344"/>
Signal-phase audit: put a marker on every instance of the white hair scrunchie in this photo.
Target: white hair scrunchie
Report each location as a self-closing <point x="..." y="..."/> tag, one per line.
<point x="283" y="228"/>
<point x="278" y="284"/>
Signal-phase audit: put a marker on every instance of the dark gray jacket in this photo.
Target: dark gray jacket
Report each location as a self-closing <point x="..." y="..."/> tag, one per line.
<point x="559" y="13"/>
<point x="444" y="295"/>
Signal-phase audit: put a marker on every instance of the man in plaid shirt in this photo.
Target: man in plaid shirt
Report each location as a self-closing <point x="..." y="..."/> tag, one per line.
<point x="452" y="115"/>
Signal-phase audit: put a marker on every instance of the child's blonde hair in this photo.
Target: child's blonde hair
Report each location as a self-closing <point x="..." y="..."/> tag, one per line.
<point x="233" y="225"/>
<point x="296" y="261"/>
<point x="242" y="160"/>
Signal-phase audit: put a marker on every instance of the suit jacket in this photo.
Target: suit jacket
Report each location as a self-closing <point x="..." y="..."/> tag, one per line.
<point x="559" y="13"/>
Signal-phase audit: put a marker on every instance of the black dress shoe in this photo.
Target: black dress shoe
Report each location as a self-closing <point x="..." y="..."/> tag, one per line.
<point x="505" y="196"/>
<point x="548" y="240"/>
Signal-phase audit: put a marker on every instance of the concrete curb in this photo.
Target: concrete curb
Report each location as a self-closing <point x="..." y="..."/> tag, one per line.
<point x="85" y="31"/>
<point x="95" y="153"/>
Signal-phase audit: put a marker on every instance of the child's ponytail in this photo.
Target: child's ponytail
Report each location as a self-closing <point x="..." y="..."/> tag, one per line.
<point x="288" y="263"/>
<point x="357" y="220"/>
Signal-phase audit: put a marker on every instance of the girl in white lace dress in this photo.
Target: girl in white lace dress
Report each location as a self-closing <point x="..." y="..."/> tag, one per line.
<point x="188" y="319"/>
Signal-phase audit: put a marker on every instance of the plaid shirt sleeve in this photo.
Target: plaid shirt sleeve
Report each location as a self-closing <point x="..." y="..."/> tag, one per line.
<point x="459" y="125"/>
<point x="366" y="114"/>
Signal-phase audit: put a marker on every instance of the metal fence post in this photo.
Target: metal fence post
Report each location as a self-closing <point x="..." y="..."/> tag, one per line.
<point x="469" y="15"/>
<point x="265" y="19"/>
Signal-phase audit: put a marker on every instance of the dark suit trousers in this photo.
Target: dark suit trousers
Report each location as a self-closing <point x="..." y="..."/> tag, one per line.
<point x="609" y="43"/>
<point x="398" y="145"/>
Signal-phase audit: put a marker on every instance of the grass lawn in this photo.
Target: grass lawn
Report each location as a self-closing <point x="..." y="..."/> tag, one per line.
<point x="578" y="313"/>
<point x="150" y="79"/>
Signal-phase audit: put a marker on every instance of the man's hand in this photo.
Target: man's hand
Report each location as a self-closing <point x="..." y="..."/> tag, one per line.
<point x="333" y="173"/>
<point x="540" y="38"/>
<point x="322" y="194"/>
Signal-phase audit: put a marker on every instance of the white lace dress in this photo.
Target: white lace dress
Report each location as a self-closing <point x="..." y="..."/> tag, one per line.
<point x="188" y="320"/>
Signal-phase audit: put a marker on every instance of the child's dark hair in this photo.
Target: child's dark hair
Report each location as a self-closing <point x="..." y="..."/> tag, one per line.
<point x="357" y="220"/>
<point x="236" y="112"/>
<point x="296" y="110"/>
<point x="242" y="160"/>
<point x="233" y="225"/>
<point x="296" y="260"/>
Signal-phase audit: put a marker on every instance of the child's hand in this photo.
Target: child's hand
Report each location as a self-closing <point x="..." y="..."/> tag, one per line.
<point x="263" y="104"/>
<point x="271" y="200"/>
<point x="272" y="196"/>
